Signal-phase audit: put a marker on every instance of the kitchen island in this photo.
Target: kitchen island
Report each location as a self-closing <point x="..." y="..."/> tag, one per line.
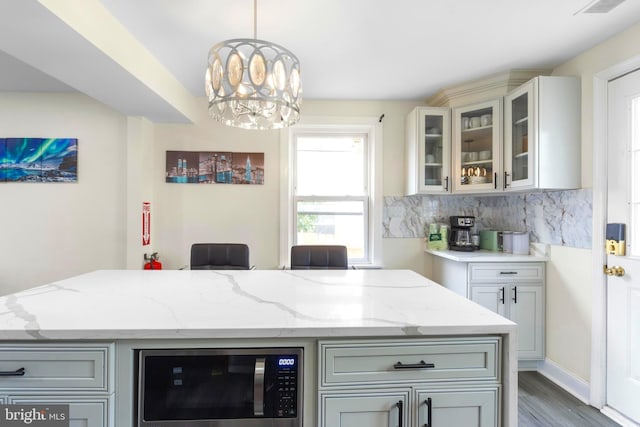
<point x="111" y="314"/>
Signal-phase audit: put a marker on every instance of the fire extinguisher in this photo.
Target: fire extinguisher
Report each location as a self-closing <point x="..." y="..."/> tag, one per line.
<point x="153" y="263"/>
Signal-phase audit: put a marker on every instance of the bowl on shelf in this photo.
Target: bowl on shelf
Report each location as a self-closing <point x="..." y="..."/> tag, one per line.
<point x="477" y="179"/>
<point x="484" y="155"/>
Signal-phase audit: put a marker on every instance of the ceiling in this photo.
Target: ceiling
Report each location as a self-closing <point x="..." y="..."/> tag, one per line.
<point x="147" y="57"/>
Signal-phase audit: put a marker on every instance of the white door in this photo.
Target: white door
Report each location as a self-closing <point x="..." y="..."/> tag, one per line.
<point x="623" y="292"/>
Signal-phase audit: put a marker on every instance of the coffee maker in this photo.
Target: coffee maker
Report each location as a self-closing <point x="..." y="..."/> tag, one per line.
<point x="460" y="237"/>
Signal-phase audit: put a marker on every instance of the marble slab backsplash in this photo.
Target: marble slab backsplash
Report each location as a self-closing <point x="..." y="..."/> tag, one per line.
<point x="561" y="218"/>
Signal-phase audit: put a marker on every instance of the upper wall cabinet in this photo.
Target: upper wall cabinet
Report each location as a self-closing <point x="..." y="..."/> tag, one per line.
<point x="477" y="147"/>
<point x="528" y="138"/>
<point x="542" y="135"/>
<point x="428" y="135"/>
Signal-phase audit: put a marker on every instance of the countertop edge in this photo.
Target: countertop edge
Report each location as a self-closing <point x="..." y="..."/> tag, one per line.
<point x="485" y="256"/>
<point x="328" y="333"/>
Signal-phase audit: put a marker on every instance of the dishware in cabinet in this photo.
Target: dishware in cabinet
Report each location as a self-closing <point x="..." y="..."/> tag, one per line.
<point x="542" y="135"/>
<point x="476" y="148"/>
<point x="428" y="150"/>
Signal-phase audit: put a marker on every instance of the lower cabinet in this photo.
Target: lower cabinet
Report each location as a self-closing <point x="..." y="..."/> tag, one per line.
<point x="457" y="408"/>
<point x="74" y="374"/>
<point x="412" y="407"/>
<point x="515" y="291"/>
<point x="371" y="409"/>
<point x="439" y="382"/>
<point x="83" y="411"/>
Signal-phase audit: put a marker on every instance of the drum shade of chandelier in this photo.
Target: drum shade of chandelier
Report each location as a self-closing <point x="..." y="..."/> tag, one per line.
<point x="253" y="84"/>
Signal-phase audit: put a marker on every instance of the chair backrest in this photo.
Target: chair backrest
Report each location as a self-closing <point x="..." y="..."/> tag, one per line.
<point x="219" y="256"/>
<point x="319" y="257"/>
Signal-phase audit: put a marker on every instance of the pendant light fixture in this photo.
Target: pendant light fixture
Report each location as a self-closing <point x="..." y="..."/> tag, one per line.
<point x="253" y="84"/>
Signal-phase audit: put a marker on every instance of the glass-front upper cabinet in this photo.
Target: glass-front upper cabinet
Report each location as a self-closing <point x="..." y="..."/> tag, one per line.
<point x="428" y="135"/>
<point x="542" y="140"/>
<point x="518" y="153"/>
<point x="476" y="147"/>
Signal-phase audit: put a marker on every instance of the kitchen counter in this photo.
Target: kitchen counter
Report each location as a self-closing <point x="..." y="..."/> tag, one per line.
<point x="234" y="304"/>
<point x="485" y="256"/>
<point x="129" y="310"/>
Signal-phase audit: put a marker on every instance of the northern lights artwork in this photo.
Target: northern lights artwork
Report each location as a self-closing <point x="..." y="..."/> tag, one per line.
<point x="38" y="160"/>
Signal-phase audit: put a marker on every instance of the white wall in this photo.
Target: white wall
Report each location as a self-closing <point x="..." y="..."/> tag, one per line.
<point x="569" y="281"/>
<point x="189" y="213"/>
<point x="55" y="230"/>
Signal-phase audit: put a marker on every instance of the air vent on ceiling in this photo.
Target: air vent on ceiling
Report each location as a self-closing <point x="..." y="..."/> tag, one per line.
<point x="600" y="6"/>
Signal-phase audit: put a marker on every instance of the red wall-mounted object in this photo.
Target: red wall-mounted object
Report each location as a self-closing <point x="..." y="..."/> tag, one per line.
<point x="153" y="265"/>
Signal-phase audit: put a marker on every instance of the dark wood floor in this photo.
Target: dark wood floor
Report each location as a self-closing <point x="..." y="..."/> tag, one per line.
<point x="541" y="403"/>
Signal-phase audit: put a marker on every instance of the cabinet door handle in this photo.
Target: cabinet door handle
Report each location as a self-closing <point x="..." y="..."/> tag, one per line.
<point x="506" y="175"/>
<point x="17" y="373"/>
<point x="515" y="294"/>
<point x="446" y="183"/>
<point x="495" y="180"/>
<point x="420" y="365"/>
<point x="429" y="407"/>
<point x="502" y="295"/>
<point x="399" y="405"/>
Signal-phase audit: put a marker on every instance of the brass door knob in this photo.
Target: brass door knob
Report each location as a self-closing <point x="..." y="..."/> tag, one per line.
<point x="616" y="270"/>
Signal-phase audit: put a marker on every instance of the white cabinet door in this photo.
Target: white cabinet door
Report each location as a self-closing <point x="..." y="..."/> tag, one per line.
<point x="521" y="303"/>
<point x="457" y="408"/>
<point x="428" y="150"/>
<point x="491" y="297"/>
<point x="83" y="411"/>
<point x="542" y="134"/>
<point x="477" y="148"/>
<point x="382" y="409"/>
<point x="519" y="138"/>
<point x="526" y="309"/>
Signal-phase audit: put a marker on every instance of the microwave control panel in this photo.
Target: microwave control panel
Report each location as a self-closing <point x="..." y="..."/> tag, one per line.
<point x="287" y="383"/>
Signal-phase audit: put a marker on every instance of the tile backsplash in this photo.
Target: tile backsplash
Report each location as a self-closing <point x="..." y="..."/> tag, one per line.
<point x="561" y="218"/>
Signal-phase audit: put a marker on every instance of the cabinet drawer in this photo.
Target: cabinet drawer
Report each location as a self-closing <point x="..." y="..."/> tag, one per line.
<point x="83" y="411"/>
<point x="54" y="368"/>
<point x="365" y="362"/>
<point x="491" y="272"/>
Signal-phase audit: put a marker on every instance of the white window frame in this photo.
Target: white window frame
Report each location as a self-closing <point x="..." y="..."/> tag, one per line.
<point x="372" y="128"/>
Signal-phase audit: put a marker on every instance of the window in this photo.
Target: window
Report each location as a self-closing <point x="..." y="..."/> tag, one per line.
<point x="331" y="189"/>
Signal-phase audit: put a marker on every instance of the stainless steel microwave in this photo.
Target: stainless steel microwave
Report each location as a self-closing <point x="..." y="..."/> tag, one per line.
<point x="248" y="387"/>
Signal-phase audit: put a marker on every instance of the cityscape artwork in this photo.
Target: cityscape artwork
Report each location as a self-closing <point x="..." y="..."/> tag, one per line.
<point x="214" y="167"/>
<point x="38" y="160"/>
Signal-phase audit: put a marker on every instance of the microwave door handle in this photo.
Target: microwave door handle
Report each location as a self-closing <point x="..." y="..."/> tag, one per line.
<point x="258" y="387"/>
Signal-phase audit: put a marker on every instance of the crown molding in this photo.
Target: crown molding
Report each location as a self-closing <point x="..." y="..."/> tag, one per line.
<point x="483" y="89"/>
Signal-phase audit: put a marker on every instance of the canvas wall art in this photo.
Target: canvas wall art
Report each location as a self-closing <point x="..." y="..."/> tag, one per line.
<point x="214" y="167"/>
<point x="38" y="160"/>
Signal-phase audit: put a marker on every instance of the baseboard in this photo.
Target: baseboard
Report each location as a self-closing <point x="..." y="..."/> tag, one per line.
<point x="577" y="387"/>
<point x="618" y="417"/>
<point x="529" y="365"/>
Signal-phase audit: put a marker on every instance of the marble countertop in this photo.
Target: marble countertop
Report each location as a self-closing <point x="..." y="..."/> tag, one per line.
<point x="118" y="304"/>
<point x="486" y="256"/>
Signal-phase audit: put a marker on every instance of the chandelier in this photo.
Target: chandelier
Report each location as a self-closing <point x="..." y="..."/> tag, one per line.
<point x="253" y="84"/>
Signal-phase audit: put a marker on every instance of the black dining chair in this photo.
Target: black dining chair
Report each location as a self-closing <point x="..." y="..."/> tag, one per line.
<point x="319" y="257"/>
<point x="220" y="256"/>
